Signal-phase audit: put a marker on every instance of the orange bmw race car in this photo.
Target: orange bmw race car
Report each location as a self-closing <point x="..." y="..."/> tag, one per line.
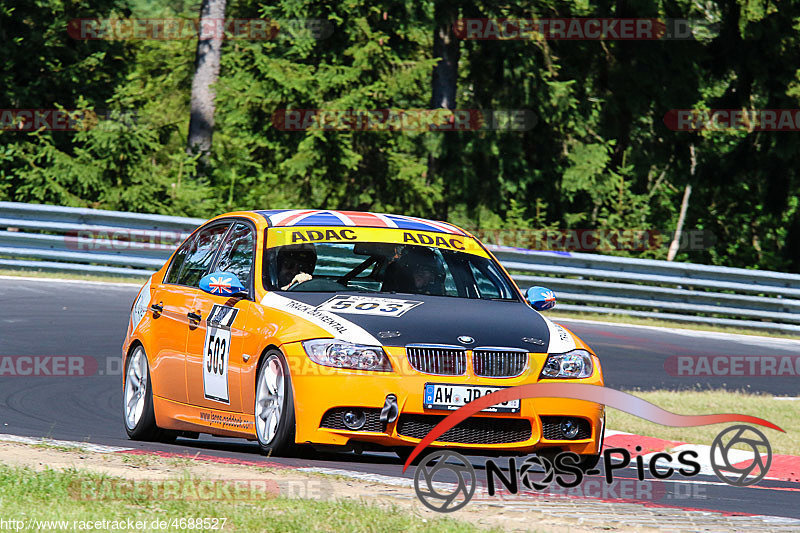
<point x="349" y="329"/>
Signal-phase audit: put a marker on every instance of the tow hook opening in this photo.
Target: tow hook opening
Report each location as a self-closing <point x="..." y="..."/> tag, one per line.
<point x="390" y="410"/>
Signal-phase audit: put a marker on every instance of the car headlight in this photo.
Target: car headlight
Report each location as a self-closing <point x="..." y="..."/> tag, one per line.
<point x="575" y="364"/>
<point x="343" y="354"/>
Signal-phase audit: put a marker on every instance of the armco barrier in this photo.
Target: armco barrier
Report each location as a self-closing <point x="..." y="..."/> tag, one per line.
<point x="65" y="239"/>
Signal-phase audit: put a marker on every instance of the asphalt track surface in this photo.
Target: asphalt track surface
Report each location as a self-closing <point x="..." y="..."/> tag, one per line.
<point x="48" y="318"/>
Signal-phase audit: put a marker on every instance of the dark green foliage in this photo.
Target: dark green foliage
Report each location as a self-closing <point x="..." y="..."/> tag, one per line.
<point x="598" y="157"/>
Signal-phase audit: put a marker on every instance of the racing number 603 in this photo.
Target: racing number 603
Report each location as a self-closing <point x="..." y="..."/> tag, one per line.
<point x="216" y="355"/>
<point x="215" y="364"/>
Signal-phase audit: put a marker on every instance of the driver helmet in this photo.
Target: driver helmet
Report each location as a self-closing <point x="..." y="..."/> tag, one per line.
<point x="297" y="258"/>
<point x="418" y="259"/>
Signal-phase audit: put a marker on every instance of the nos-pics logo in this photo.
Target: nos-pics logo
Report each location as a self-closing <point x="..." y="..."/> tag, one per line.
<point x="730" y="467"/>
<point x="458" y="482"/>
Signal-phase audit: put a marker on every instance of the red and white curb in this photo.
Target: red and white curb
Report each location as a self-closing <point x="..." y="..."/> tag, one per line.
<point x="787" y="470"/>
<point x="85" y="446"/>
<point x="783" y="467"/>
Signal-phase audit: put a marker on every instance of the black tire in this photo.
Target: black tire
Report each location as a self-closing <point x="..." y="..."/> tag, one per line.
<point x="588" y="462"/>
<point x="585" y="462"/>
<point x="403" y="452"/>
<point x="167" y="436"/>
<point x="281" y="443"/>
<point x="144" y="428"/>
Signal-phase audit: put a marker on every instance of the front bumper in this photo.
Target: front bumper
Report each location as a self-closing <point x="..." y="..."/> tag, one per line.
<point x="321" y="393"/>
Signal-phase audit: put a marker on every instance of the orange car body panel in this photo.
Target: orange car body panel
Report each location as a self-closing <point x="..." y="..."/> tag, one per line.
<point x="174" y="351"/>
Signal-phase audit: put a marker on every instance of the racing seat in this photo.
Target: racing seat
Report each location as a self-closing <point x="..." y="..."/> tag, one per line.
<point x="397" y="278"/>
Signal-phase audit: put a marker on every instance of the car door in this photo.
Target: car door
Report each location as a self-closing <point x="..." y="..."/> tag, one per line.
<point x="214" y="349"/>
<point x="172" y="311"/>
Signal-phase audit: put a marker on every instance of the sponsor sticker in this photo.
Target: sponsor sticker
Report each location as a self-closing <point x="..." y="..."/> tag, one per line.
<point x="216" y="352"/>
<point x="337" y="326"/>
<point x="368" y="305"/>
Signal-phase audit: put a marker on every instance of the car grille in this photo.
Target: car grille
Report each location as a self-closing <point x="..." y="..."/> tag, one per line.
<point x="551" y="428"/>
<point x="333" y="419"/>
<point x="470" y="431"/>
<point x="442" y="360"/>
<point x="499" y="363"/>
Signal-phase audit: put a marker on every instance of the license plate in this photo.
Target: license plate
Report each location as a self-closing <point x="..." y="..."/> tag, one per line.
<point x="451" y="397"/>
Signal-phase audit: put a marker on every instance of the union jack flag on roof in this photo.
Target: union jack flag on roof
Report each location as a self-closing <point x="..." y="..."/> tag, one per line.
<point x="315" y="217"/>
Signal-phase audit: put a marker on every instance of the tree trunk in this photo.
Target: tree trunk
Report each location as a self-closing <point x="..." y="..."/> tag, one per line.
<point x="209" y="46"/>
<point x="445" y="47"/>
<point x="687" y="192"/>
<point x="445" y="78"/>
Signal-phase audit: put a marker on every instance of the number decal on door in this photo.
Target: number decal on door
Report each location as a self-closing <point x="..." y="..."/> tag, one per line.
<point x="216" y="352"/>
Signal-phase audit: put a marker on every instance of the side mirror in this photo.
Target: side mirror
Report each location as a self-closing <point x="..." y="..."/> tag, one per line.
<point x="222" y="284"/>
<point x="541" y="298"/>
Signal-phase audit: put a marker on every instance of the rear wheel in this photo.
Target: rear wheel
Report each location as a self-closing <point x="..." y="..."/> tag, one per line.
<point x="274" y="409"/>
<point x="140" y="420"/>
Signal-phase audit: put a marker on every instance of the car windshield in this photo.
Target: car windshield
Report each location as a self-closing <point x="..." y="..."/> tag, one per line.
<point x="384" y="268"/>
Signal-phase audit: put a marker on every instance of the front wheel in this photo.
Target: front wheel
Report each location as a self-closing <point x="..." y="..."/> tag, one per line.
<point x="588" y="462"/>
<point x="274" y="409"/>
<point x="585" y="462"/>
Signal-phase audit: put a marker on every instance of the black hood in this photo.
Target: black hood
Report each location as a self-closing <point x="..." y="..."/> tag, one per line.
<point x="442" y="320"/>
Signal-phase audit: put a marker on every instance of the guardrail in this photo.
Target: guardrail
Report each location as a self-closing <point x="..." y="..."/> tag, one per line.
<point x="76" y="240"/>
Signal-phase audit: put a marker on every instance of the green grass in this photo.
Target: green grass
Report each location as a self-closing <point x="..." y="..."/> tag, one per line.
<point x="624" y="319"/>
<point x="783" y="413"/>
<point x="60" y="448"/>
<point x="63" y="275"/>
<point x="57" y="495"/>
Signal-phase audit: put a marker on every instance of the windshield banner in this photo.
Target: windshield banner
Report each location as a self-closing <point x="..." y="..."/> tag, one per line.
<point x="313" y="234"/>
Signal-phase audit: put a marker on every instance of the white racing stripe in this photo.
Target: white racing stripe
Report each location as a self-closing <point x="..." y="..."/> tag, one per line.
<point x="337" y="326"/>
<point x="561" y="340"/>
<point x="85" y="446"/>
